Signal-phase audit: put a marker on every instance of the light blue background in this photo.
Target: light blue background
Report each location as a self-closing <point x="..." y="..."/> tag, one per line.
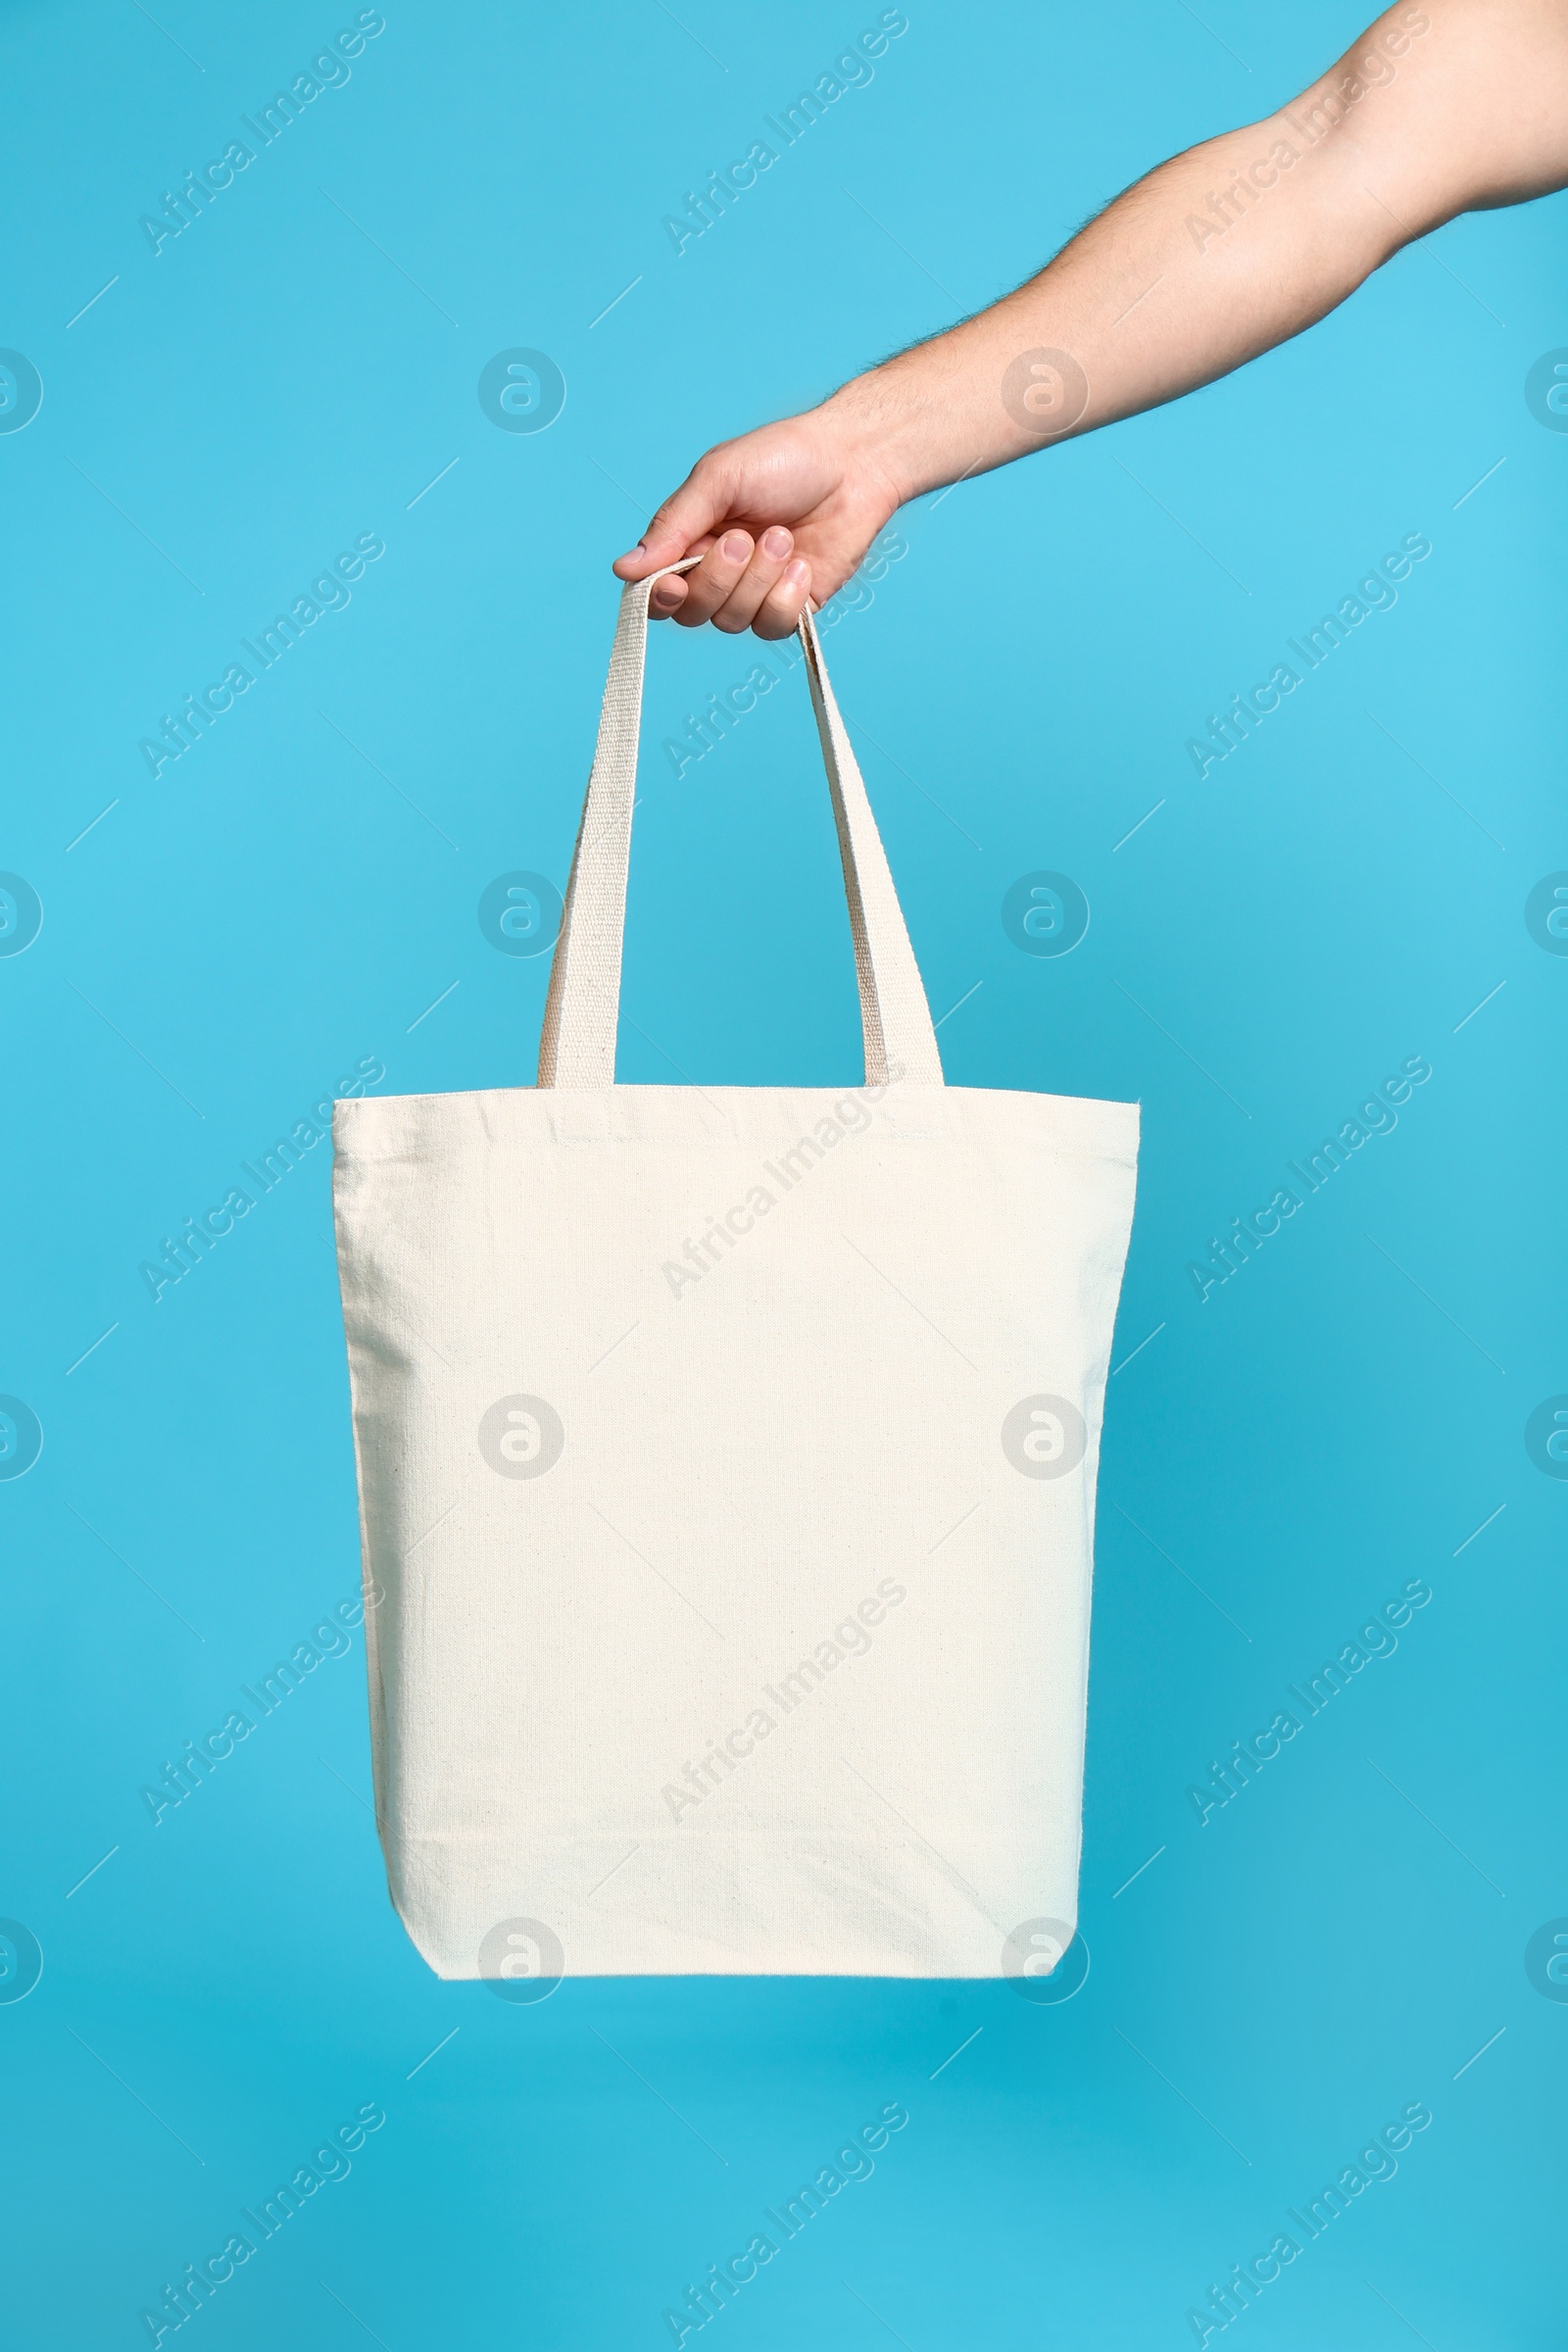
<point x="227" y="941"/>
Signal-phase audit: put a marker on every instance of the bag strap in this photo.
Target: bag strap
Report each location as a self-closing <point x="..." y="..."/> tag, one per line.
<point x="577" y="1044"/>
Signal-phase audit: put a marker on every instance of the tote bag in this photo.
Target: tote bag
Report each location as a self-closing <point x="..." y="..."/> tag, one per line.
<point x="726" y="1465"/>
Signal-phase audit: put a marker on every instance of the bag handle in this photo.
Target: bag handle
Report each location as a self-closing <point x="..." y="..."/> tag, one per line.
<point x="577" y="1044"/>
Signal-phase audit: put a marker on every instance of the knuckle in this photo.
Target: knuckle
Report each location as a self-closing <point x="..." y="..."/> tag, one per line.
<point x="783" y="606"/>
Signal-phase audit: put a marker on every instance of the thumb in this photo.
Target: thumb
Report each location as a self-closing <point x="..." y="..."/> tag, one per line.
<point x="702" y="500"/>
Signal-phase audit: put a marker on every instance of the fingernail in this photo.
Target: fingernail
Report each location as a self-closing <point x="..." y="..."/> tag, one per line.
<point x="777" y="543"/>
<point x="736" y="547"/>
<point x="797" y="572"/>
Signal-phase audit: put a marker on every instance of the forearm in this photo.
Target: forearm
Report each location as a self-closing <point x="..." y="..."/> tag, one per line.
<point x="1442" y="107"/>
<point x="1234" y="246"/>
<point x="1190" y="274"/>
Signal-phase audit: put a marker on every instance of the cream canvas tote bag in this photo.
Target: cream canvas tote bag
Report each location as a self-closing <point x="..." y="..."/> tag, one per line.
<point x="726" y="1463"/>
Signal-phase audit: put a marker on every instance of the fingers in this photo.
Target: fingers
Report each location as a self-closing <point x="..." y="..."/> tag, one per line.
<point x="720" y="572"/>
<point x="779" y="614"/>
<point x="757" y="583"/>
<point x="670" y="592"/>
<point x="696" y="508"/>
<point x="739" y="584"/>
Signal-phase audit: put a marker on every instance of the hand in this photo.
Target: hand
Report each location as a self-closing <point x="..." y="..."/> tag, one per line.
<point x="779" y="514"/>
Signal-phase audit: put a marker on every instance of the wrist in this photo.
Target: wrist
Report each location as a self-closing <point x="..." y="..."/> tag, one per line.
<point x="872" y="421"/>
